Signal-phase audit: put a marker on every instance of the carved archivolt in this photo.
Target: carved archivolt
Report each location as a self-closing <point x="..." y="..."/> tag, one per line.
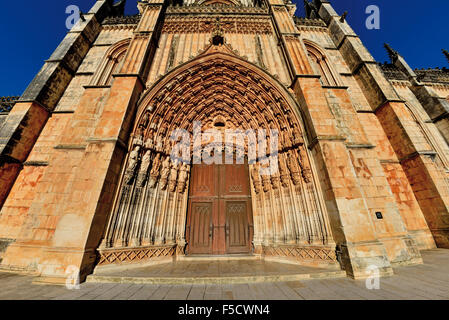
<point x="223" y="92"/>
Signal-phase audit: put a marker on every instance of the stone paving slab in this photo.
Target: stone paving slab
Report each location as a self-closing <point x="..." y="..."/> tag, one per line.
<point x="429" y="281"/>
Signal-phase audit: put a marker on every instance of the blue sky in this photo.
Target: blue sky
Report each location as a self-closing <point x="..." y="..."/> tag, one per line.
<point x="30" y="31"/>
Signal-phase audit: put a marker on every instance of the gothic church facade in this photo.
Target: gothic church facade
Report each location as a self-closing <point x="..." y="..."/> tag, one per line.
<point x="86" y="177"/>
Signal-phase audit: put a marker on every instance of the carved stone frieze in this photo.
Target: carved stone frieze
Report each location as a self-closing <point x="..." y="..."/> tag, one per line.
<point x="251" y="25"/>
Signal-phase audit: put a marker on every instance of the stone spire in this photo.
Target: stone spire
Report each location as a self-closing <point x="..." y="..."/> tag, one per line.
<point x="393" y="54"/>
<point x="118" y="9"/>
<point x="311" y="10"/>
<point x="446" y="53"/>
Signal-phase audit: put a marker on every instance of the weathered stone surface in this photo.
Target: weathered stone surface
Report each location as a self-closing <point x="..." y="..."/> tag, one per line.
<point x="19" y="131"/>
<point x="362" y="175"/>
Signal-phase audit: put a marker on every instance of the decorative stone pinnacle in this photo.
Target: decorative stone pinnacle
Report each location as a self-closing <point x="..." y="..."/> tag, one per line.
<point x="217" y="34"/>
<point x="446" y="53"/>
<point x="82" y="16"/>
<point x="311" y="10"/>
<point x="393" y="54"/>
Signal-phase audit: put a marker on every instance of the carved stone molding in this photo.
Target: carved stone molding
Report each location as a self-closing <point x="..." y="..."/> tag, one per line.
<point x="133" y="255"/>
<point x="249" y="25"/>
<point x="302" y="253"/>
<point x="216" y="8"/>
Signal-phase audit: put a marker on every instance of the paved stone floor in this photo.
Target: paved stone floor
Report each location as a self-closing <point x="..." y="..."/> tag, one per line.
<point x="217" y="268"/>
<point x="429" y="281"/>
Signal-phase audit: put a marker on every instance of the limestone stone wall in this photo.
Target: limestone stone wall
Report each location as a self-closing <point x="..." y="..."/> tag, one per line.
<point x="379" y="160"/>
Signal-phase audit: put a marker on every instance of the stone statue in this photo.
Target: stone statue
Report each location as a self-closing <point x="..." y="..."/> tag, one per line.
<point x="183" y="177"/>
<point x="275" y="177"/>
<point x="165" y="172"/>
<point x="154" y="173"/>
<point x="142" y="176"/>
<point x="294" y="170"/>
<point x="283" y="171"/>
<point x="305" y="166"/>
<point x="297" y="136"/>
<point x="255" y="175"/>
<point x="173" y="177"/>
<point x="145" y="120"/>
<point x="133" y="162"/>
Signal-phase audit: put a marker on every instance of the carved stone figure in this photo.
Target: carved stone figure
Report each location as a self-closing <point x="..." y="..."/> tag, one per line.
<point x="283" y="171"/>
<point x="297" y="136"/>
<point x="183" y="177"/>
<point x="143" y="171"/>
<point x="165" y="172"/>
<point x="305" y="166"/>
<point x="154" y="173"/>
<point x="294" y="170"/>
<point x="173" y="176"/>
<point x="145" y="120"/>
<point x="133" y="162"/>
<point x="255" y="175"/>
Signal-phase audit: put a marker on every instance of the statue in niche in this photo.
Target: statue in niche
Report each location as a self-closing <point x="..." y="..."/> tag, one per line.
<point x="138" y="137"/>
<point x="294" y="170"/>
<point x="297" y="136"/>
<point x="149" y="143"/>
<point x="165" y="172"/>
<point x="154" y="173"/>
<point x="305" y="167"/>
<point x="145" y="120"/>
<point x="275" y="177"/>
<point x="146" y="161"/>
<point x="173" y="177"/>
<point x="266" y="183"/>
<point x="132" y="165"/>
<point x="255" y="175"/>
<point x="283" y="171"/>
<point x="183" y="177"/>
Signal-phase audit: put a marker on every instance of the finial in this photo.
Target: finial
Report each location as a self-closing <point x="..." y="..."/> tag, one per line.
<point x="343" y="16"/>
<point x="311" y="10"/>
<point x="217" y="34"/>
<point x="446" y="53"/>
<point x="393" y="54"/>
<point x="82" y="16"/>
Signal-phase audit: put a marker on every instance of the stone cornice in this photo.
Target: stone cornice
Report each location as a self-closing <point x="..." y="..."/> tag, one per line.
<point x="216" y="9"/>
<point x="122" y="20"/>
<point x="431" y="76"/>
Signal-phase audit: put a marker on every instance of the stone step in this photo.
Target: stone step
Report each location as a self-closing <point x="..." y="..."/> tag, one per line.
<point x="215" y="280"/>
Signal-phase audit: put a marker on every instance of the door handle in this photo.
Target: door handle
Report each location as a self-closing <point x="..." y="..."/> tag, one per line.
<point x="211" y="231"/>
<point x="227" y="230"/>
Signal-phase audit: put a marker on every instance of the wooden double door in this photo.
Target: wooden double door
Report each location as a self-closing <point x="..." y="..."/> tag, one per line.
<point x="219" y="219"/>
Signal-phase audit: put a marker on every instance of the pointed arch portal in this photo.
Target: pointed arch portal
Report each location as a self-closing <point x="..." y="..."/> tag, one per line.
<point x="166" y="207"/>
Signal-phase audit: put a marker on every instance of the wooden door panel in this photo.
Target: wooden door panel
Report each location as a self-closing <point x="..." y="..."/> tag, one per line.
<point x="235" y="181"/>
<point x="200" y="238"/>
<point x="237" y="227"/>
<point x="219" y="220"/>
<point x="203" y="181"/>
